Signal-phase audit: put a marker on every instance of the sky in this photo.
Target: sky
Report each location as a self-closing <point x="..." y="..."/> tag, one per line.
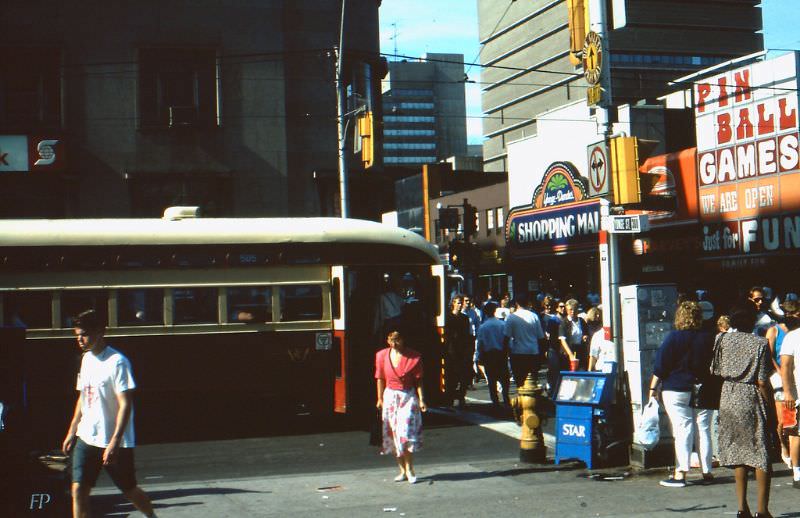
<point x="414" y="27"/>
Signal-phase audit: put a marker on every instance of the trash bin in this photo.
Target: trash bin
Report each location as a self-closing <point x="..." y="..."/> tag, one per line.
<point x="33" y="483"/>
<point x="46" y="487"/>
<point x="583" y="400"/>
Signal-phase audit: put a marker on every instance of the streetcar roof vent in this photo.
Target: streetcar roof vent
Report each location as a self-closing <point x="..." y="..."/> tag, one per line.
<point x="176" y="213"/>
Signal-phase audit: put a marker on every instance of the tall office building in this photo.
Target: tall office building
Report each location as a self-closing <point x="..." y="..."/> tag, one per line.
<point x="424" y="110"/>
<point x="116" y="109"/>
<point x="529" y="69"/>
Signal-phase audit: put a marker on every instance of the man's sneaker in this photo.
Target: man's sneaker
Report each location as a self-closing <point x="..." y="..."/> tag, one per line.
<point x="673" y="482"/>
<point x="796" y="484"/>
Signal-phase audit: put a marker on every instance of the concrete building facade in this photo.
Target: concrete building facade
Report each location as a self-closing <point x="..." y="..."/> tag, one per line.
<point x="526" y="55"/>
<point x="230" y="106"/>
<point x="424" y="110"/>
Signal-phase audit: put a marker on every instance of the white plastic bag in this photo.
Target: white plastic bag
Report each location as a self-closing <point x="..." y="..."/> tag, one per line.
<point x="648" y="433"/>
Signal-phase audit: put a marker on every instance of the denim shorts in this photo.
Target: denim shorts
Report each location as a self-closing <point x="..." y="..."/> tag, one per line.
<point x="87" y="461"/>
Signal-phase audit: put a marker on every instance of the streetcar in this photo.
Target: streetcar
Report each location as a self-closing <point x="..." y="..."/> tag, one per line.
<point x="245" y="319"/>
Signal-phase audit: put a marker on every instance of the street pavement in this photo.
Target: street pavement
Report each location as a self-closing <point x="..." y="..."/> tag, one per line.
<point x="469" y="467"/>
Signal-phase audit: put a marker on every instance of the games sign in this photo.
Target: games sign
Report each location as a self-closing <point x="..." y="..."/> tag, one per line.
<point x="748" y="158"/>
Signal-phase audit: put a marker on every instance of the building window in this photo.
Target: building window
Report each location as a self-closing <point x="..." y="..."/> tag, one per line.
<point x="30" y="87"/>
<point x="409" y="159"/>
<point x="489" y="221"/>
<point x="409" y="132"/>
<point x="410" y="92"/>
<point x="501" y="222"/>
<point x="177" y="87"/>
<point x="408" y="118"/>
<point x="411" y="145"/>
<point x="416" y="106"/>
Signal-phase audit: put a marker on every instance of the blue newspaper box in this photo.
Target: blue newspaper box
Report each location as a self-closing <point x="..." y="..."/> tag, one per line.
<point x="582" y="401"/>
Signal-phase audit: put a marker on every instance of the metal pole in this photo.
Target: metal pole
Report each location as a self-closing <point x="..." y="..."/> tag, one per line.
<point x="609" y="246"/>
<point x="340" y="126"/>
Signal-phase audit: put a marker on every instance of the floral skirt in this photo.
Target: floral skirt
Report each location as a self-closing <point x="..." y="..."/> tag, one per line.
<point x="402" y="422"/>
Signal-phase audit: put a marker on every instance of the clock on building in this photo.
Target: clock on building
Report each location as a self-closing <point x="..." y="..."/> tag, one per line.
<point x="592" y="58"/>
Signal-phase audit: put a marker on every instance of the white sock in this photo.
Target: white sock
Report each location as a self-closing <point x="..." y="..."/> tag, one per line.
<point x="796" y="472"/>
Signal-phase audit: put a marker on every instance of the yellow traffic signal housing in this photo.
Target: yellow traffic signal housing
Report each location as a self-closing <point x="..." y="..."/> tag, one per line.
<point x="578" y="16"/>
<point x="366" y="133"/>
<point x="624" y="155"/>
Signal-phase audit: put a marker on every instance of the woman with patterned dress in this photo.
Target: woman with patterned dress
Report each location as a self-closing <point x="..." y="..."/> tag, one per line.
<point x="674" y="372"/>
<point x="745" y="423"/>
<point x="398" y="370"/>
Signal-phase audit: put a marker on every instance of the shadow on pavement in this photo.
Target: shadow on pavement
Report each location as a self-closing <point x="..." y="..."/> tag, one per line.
<point x="117" y="505"/>
<point x="695" y="508"/>
<point x="472" y="475"/>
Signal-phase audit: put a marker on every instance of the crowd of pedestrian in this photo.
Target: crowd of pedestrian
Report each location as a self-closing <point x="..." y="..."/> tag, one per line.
<point x="752" y="357"/>
<point x="499" y="339"/>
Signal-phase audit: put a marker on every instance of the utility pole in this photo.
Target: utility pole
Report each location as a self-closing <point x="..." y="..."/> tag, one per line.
<point x="609" y="242"/>
<point x="344" y="200"/>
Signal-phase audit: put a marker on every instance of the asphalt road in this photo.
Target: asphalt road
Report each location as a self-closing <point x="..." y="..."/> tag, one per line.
<point x="333" y="445"/>
<point x="468" y="467"/>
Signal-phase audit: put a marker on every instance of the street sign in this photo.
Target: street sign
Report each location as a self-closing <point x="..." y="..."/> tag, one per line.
<point x="594" y="95"/>
<point x="598" y="169"/>
<point x="626" y="223"/>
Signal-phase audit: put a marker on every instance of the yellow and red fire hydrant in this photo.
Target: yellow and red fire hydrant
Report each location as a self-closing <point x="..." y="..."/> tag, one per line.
<point x="531" y="443"/>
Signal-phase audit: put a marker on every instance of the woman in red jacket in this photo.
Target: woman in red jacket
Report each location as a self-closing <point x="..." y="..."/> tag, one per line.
<point x="398" y="370"/>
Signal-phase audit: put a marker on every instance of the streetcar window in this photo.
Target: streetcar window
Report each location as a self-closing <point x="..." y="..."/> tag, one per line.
<point x="194" y="305"/>
<point x="301" y="303"/>
<point x="74" y="302"/>
<point x="336" y="307"/>
<point x="30" y="309"/>
<point x="250" y="304"/>
<point x="140" y="307"/>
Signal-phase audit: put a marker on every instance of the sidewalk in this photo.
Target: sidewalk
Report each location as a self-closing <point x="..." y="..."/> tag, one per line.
<point x="501" y="486"/>
<point x="498" y="488"/>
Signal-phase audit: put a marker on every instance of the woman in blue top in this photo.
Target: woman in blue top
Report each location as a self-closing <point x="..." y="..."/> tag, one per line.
<point x="775" y="336"/>
<point x="673" y="371"/>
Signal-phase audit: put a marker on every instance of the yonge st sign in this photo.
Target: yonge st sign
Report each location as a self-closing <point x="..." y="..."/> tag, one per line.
<point x="748" y="158"/>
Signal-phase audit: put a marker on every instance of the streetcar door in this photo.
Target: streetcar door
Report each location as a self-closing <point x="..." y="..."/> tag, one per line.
<point x="340" y="341"/>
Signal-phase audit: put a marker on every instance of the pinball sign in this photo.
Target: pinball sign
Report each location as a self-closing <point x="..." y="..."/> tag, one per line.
<point x="749" y="159"/>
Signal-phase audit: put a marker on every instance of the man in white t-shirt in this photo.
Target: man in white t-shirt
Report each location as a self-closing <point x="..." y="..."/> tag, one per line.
<point x="101" y="432"/>
<point x="790" y="374"/>
<point x="523" y="333"/>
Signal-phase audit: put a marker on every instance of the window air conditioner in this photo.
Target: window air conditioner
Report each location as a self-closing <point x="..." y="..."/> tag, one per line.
<point x="182" y="116"/>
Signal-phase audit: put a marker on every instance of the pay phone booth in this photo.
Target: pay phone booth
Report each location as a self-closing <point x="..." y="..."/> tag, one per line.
<point x="582" y="402"/>
<point x="648" y="312"/>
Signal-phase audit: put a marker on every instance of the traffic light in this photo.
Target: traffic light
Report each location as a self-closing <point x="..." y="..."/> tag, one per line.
<point x="456" y="253"/>
<point x="365" y="132"/>
<point x="448" y="218"/>
<point x="470" y="220"/>
<point x="626" y="154"/>
<point x="578" y="16"/>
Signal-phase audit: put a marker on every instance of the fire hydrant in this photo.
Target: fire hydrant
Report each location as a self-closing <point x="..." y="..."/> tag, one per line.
<point x="531" y="443"/>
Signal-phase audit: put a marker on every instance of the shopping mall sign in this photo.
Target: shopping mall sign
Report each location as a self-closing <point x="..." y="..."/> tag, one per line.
<point x="749" y="159"/>
<point x="558" y="219"/>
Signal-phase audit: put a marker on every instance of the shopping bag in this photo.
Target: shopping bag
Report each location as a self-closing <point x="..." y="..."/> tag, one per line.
<point x="648" y="433"/>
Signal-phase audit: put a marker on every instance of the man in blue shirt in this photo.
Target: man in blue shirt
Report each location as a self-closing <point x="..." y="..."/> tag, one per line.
<point x="492" y="353"/>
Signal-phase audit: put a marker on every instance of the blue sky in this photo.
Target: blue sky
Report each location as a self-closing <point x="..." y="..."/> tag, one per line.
<point x="451" y="26"/>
